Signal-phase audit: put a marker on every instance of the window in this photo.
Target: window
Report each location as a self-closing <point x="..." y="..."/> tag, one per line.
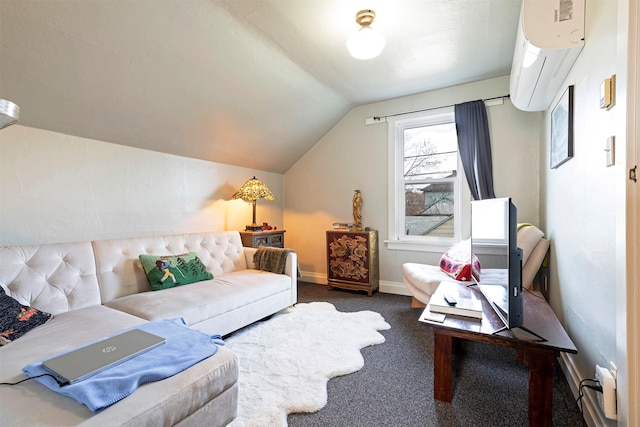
<point x="426" y="183"/>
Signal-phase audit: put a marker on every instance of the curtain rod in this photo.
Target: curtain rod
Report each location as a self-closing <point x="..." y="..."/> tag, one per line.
<point x="380" y="118"/>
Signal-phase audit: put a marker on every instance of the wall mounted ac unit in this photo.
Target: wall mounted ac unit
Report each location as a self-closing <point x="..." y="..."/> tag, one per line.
<point x="550" y="38"/>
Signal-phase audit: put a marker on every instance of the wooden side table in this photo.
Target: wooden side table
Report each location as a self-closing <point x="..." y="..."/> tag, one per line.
<point x="255" y="239"/>
<point x="352" y="260"/>
<point x="538" y="355"/>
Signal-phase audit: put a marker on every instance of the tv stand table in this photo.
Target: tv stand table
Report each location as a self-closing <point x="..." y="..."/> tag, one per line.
<point x="537" y="354"/>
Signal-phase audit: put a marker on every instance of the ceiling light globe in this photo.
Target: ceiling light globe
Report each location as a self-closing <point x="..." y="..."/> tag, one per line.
<point x="367" y="43"/>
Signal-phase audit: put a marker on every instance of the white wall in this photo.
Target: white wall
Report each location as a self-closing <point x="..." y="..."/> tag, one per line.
<point x="580" y="204"/>
<point x="61" y="188"/>
<point x="319" y="187"/>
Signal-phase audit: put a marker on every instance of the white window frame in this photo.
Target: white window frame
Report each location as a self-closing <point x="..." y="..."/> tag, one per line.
<point x="397" y="239"/>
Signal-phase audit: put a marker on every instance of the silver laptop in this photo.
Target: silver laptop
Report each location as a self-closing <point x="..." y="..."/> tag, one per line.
<point x="84" y="362"/>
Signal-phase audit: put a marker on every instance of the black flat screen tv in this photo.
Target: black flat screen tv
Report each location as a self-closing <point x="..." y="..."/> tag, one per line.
<point x="494" y="240"/>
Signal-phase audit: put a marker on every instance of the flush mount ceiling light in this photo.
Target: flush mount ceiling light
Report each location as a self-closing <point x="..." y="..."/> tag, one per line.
<point x="367" y="43"/>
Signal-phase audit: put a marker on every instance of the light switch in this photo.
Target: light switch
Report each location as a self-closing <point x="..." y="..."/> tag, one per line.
<point x="610" y="149"/>
<point x="608" y="92"/>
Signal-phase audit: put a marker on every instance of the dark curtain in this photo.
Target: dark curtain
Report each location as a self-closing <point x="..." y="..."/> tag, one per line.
<point x="475" y="148"/>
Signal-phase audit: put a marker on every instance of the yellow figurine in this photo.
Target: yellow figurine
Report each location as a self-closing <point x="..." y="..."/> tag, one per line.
<point x="357" y="214"/>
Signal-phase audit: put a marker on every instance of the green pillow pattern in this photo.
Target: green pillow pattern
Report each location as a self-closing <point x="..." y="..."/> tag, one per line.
<point x="168" y="271"/>
<point x="17" y="319"/>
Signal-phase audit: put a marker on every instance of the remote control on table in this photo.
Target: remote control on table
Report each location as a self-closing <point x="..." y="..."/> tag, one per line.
<point x="450" y="300"/>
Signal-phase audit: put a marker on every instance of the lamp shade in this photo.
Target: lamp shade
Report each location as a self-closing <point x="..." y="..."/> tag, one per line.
<point x="251" y="191"/>
<point x="254" y="189"/>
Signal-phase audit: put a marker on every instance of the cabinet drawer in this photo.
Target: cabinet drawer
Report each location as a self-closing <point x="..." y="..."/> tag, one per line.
<point x="276" y="240"/>
<point x="255" y="239"/>
<point x="260" y="241"/>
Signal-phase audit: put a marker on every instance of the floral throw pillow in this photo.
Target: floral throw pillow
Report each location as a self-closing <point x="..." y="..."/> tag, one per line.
<point x="168" y="271"/>
<point x="459" y="263"/>
<point x="17" y="319"/>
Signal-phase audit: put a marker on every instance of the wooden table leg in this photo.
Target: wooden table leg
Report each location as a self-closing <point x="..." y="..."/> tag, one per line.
<point x="442" y="370"/>
<point x="540" y="387"/>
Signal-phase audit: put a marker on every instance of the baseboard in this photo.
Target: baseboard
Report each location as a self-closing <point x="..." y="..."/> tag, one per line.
<point x="396" y="288"/>
<point x="312" y="277"/>
<point x="591" y="412"/>
<point x="387" y="287"/>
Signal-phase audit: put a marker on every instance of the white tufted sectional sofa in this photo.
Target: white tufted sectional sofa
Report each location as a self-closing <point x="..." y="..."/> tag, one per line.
<point x="98" y="288"/>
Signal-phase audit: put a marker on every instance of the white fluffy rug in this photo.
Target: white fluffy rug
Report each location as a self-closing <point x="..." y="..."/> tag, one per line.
<point x="286" y="361"/>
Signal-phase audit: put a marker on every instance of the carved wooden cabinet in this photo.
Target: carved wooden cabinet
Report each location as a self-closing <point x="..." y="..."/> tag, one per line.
<point x="255" y="239"/>
<point x="352" y="260"/>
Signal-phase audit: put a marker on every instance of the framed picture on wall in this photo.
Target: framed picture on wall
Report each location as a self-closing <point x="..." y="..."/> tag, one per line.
<point x="562" y="129"/>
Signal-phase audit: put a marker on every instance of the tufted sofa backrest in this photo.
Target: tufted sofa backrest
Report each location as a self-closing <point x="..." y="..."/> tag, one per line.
<point x="54" y="278"/>
<point x="120" y="272"/>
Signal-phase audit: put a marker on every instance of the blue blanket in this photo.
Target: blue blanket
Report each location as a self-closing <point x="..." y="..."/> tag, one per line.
<point x="184" y="348"/>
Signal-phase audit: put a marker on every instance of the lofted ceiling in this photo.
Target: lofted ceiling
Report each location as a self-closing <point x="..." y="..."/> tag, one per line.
<point x="253" y="83"/>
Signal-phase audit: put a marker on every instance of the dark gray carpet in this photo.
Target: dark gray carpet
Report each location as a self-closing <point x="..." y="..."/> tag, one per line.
<point x="395" y="386"/>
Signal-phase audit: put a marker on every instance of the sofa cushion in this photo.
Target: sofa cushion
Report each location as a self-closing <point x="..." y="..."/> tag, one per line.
<point x="422" y="280"/>
<point x="111" y="385"/>
<point x="205" y="300"/>
<point x="528" y="238"/>
<point x="165" y="402"/>
<point x="167" y="271"/>
<point x="17" y="319"/>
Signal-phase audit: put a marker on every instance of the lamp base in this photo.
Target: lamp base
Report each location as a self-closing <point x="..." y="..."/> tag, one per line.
<point x="253" y="227"/>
